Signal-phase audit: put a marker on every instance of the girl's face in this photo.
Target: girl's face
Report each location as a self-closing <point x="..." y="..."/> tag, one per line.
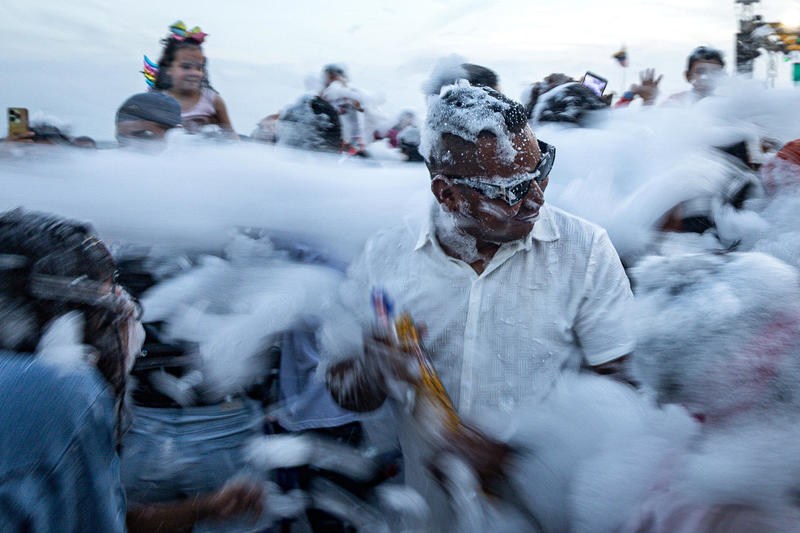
<point x="187" y="71"/>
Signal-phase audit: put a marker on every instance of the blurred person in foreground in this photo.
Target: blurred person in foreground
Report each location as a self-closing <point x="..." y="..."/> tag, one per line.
<point x="513" y="292"/>
<point x="704" y="71"/>
<point x="735" y="369"/>
<point x="145" y="118"/>
<point x="69" y="336"/>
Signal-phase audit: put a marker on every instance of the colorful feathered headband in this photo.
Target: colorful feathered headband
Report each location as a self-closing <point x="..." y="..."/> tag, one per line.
<point x="150" y="72"/>
<point x="179" y="33"/>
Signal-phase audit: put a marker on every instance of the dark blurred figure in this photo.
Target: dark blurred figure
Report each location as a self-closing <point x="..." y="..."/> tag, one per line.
<point x="60" y="422"/>
<point x="408" y="142"/>
<point x="69" y="337"/>
<point x="697" y="215"/>
<point x="560" y="98"/>
<point x="46" y="133"/>
<point x="84" y="142"/>
<point x="311" y="123"/>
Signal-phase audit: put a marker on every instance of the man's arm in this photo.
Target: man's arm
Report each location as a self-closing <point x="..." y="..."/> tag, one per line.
<point x="603" y="316"/>
<point x="235" y="498"/>
<point x="354" y="387"/>
<point x="350" y="370"/>
<point x="362" y="383"/>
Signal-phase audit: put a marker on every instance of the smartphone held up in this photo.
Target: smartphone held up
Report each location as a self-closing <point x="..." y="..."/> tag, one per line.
<point x="17" y="121"/>
<point x="594" y="82"/>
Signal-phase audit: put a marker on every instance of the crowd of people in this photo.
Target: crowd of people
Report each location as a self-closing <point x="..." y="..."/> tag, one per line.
<point x="331" y="117"/>
<point x="528" y="387"/>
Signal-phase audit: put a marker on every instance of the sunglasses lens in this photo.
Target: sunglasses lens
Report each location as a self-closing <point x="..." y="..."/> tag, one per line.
<point x="546" y="164"/>
<point x="517" y="192"/>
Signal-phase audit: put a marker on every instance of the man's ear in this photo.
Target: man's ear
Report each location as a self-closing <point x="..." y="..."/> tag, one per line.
<point x="444" y="191"/>
<point x="686" y="74"/>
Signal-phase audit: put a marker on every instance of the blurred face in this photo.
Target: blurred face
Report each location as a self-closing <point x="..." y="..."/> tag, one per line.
<point x="705" y="76"/>
<point x="187" y="71"/>
<point x="132" y="133"/>
<point x="489" y="219"/>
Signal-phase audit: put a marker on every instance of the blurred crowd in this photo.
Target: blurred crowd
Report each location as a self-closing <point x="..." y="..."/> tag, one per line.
<point x="145" y="391"/>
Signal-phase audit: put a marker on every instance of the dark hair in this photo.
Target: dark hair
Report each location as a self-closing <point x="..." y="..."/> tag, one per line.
<point x="479" y="76"/>
<point x="84" y="141"/>
<point x="310" y="123"/>
<point x="704" y="53"/>
<point x="152" y="106"/>
<point x="334" y="70"/>
<point x="49" y="133"/>
<point x="539" y="88"/>
<point x="47" y="245"/>
<point x="476" y="75"/>
<point x="569" y="103"/>
<point x="171" y="47"/>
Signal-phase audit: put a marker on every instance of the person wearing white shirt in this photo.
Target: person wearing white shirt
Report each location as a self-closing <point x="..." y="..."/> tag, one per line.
<point x="512" y="292"/>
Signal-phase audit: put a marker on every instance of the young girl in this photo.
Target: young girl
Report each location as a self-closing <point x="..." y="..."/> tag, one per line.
<point x="181" y="73"/>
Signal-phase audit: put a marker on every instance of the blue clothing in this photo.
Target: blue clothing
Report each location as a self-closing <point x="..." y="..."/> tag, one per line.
<point x="307" y="403"/>
<point x="177" y="453"/>
<point x="59" y="470"/>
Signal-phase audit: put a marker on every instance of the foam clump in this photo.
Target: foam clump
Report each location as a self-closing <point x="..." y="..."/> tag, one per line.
<point x="738" y="318"/>
<point x="467" y="111"/>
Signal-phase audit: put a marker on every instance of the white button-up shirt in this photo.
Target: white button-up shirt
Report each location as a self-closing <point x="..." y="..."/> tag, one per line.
<point x="545" y="303"/>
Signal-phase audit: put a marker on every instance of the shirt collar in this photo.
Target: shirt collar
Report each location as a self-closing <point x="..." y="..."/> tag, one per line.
<point x="543" y="230"/>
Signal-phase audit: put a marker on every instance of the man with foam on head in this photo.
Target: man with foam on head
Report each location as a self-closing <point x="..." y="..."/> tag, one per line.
<point x="513" y="292"/>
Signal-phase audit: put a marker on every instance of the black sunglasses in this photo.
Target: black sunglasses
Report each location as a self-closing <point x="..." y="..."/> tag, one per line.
<point x="519" y="185"/>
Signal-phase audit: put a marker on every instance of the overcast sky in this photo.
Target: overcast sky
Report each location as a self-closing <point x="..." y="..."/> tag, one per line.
<point x="79" y="60"/>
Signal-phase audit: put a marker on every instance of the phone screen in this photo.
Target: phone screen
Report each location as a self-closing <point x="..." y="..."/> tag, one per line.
<point x="595" y="83"/>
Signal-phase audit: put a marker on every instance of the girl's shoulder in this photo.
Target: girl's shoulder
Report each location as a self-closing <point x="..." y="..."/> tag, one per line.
<point x="210" y="94"/>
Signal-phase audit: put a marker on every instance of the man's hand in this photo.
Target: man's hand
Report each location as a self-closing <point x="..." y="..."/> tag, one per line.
<point x="26" y="137"/>
<point x="647" y="88"/>
<point x="488" y="458"/>
<point x="235" y="497"/>
<point x="361" y="384"/>
<point x="238" y="496"/>
<point x="390" y="360"/>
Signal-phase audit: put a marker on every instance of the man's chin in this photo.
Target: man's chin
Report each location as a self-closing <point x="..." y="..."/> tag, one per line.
<point x="530" y="219"/>
<point x="518" y="231"/>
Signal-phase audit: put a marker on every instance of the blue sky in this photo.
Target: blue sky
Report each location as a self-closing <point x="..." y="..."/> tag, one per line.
<point x="80" y="60"/>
